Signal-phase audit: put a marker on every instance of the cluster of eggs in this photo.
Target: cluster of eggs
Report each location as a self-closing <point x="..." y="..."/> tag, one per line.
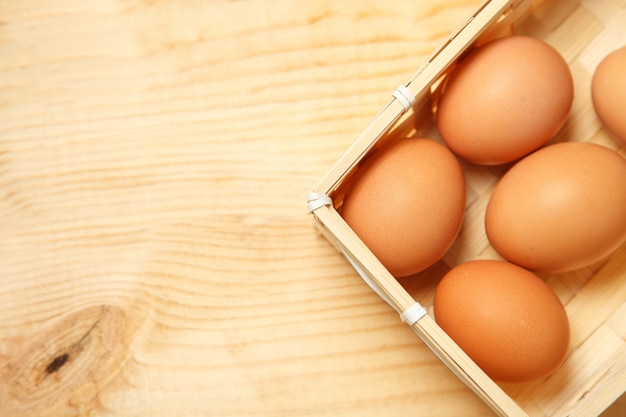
<point x="558" y="208"/>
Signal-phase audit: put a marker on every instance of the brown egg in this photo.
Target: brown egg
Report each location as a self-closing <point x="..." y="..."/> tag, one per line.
<point x="505" y="318"/>
<point x="608" y="91"/>
<point x="407" y="202"/>
<point x="504" y="100"/>
<point x="560" y="208"/>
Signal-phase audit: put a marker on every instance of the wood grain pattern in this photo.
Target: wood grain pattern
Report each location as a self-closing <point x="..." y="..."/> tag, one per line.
<point x="156" y="256"/>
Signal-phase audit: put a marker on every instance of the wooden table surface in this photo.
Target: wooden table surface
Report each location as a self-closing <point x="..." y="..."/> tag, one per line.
<point x="156" y="254"/>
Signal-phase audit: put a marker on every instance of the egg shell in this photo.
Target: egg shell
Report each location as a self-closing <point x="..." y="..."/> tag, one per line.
<point x="608" y="92"/>
<point x="505" y="318"/>
<point x="560" y="208"/>
<point x="407" y="202"/>
<point x="505" y="99"/>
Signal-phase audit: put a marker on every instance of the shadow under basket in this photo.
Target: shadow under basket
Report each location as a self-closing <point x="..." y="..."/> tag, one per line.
<point x="593" y="375"/>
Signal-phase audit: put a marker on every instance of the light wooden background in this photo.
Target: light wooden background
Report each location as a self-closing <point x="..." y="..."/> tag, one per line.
<point x="156" y="255"/>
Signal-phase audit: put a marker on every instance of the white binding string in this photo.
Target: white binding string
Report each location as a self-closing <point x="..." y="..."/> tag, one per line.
<point x="317" y="200"/>
<point x="412" y="314"/>
<point x="404" y="96"/>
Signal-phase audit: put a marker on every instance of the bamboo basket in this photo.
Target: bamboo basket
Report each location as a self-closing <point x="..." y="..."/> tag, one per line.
<point x="594" y="373"/>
